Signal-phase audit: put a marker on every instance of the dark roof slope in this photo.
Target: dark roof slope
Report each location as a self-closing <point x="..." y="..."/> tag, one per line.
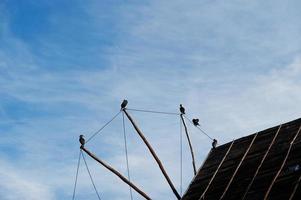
<point x="266" y="165"/>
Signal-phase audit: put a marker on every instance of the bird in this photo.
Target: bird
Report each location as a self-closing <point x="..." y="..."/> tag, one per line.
<point x="124" y="103"/>
<point x="82" y="140"/>
<point x="195" y="122"/>
<point x="214" y="143"/>
<point x="182" y="109"/>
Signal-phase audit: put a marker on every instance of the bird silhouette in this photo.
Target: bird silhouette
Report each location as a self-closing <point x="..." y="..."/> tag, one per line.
<point x="195" y="122"/>
<point x="182" y="109"/>
<point x="214" y="143"/>
<point x="82" y="140"/>
<point x="124" y="103"/>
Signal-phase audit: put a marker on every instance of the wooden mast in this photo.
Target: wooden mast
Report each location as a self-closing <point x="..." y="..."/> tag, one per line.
<point x="153" y="154"/>
<point x="116" y="173"/>
<point x="190" y="145"/>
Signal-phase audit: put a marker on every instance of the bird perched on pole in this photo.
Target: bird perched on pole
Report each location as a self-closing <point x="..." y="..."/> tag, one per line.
<point x="214" y="143"/>
<point x="82" y="140"/>
<point x="123" y="104"/>
<point x="195" y="122"/>
<point x="182" y="109"/>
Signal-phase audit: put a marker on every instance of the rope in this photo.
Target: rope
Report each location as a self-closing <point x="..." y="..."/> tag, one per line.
<point x="153" y="111"/>
<point x="199" y="128"/>
<point x="181" y="157"/>
<point x="90" y="176"/>
<point x="76" y="176"/>
<point x="126" y="154"/>
<point x="102" y="127"/>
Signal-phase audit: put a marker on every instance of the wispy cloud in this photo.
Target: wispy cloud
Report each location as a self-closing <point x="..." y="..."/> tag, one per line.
<point x="232" y="64"/>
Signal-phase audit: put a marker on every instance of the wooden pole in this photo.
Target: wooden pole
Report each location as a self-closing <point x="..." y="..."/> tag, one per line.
<point x="190" y="145"/>
<point x="116" y="173"/>
<point x="153" y="154"/>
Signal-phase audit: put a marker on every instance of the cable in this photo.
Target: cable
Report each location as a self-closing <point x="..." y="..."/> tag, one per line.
<point x="169" y="113"/>
<point x="198" y="128"/>
<point x="126" y="154"/>
<point x="90" y="176"/>
<point x="153" y="111"/>
<point x="102" y="127"/>
<point x="76" y="176"/>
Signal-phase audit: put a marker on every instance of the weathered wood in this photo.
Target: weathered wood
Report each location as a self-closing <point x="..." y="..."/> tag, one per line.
<point x="189" y="143"/>
<point x="295" y="189"/>
<point x="282" y="165"/>
<point x="237" y="168"/>
<point x="153" y="154"/>
<point x="266" y="166"/>
<point x="200" y="182"/>
<point x="116" y="173"/>
<point x="198" y="172"/>
<point x="212" y="178"/>
<point x="228" y="169"/>
<point x="263" y="159"/>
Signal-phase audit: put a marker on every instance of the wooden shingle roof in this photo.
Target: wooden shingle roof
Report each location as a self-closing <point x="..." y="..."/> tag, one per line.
<point x="261" y="166"/>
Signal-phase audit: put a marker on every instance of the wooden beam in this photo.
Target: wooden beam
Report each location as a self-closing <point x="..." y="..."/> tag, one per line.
<point x="153" y="154"/>
<point x="116" y="173"/>
<point x="190" y="145"/>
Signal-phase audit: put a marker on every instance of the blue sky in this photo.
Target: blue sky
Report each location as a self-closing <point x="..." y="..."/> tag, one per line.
<point x="65" y="66"/>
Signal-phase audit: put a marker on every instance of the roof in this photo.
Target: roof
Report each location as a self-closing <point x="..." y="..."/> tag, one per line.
<point x="265" y="165"/>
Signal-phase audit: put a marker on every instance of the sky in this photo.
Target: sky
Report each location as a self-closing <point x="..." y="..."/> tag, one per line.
<point x="65" y="67"/>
